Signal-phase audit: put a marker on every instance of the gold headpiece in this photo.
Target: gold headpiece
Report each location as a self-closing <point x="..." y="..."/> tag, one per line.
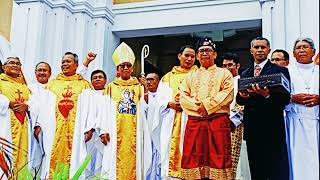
<point x="123" y="53"/>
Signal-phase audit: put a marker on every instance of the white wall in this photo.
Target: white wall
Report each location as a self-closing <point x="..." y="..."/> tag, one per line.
<point x="184" y="16"/>
<point x="45" y="30"/>
<point x="286" y="20"/>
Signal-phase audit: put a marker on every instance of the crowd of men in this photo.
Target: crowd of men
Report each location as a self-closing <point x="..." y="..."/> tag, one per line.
<point x="192" y="123"/>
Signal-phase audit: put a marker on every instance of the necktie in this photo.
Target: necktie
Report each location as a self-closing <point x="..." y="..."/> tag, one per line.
<point x="257" y="70"/>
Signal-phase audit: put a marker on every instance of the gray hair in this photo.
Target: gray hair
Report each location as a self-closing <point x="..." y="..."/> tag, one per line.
<point x="307" y="40"/>
<point x="259" y="39"/>
<point x="156" y="75"/>
<point x="11" y="57"/>
<point x="75" y="56"/>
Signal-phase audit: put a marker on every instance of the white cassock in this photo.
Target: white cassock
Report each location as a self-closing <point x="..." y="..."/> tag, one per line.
<point x="43" y="106"/>
<point x="35" y="102"/>
<point x="152" y="115"/>
<point x="243" y="169"/>
<point x="5" y="126"/>
<point x="143" y="146"/>
<point x="87" y="118"/>
<point x="303" y="123"/>
<point x="36" y="88"/>
<point x="164" y="119"/>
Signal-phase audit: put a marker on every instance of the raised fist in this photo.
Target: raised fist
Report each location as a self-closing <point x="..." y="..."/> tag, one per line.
<point x="91" y="56"/>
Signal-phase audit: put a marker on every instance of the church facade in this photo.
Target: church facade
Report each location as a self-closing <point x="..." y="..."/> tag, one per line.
<point x="42" y="30"/>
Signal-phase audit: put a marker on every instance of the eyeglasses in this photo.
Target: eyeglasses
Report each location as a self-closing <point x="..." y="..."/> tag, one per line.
<point x="304" y="48"/>
<point x="228" y="65"/>
<point x="207" y="51"/>
<point x="125" y="65"/>
<point x="277" y="59"/>
<point x="13" y="63"/>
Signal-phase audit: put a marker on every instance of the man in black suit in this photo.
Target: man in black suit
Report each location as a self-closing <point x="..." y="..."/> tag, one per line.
<point x="263" y="118"/>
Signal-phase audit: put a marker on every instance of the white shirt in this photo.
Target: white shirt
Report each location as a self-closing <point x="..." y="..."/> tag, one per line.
<point x="261" y="65"/>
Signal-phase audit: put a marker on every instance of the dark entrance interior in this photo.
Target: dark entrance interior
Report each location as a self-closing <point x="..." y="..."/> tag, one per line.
<point x="164" y="48"/>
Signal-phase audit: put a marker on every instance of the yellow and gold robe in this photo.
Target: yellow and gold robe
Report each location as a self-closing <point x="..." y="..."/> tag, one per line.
<point x="15" y="90"/>
<point x="126" y="95"/>
<point x="173" y="79"/>
<point x="67" y="89"/>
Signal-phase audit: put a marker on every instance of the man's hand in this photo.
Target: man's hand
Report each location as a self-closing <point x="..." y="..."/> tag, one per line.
<point x="88" y="135"/>
<point x="18" y="107"/>
<point x="202" y="110"/>
<point x="90" y="57"/>
<point x="11" y="104"/>
<point x="36" y="132"/>
<point x="174" y="105"/>
<point x="311" y="100"/>
<point x="177" y="98"/>
<point x="260" y="91"/>
<point x="105" y="138"/>
<point x="298" y="98"/>
<point x="143" y="82"/>
<point x="245" y="95"/>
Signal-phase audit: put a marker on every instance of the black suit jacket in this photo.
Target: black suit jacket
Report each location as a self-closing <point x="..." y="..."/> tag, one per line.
<point x="263" y="117"/>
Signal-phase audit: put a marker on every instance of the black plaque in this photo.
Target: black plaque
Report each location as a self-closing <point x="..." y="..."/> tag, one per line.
<point x="274" y="82"/>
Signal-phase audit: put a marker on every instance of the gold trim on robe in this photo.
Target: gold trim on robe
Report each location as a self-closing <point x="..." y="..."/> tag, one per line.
<point x="15" y="90"/>
<point x="212" y="173"/>
<point x="126" y="94"/>
<point x="67" y="89"/>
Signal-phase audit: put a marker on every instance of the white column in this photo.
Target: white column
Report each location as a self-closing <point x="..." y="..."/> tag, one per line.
<point x="26" y="35"/>
<point x="309" y="20"/>
<point x="112" y="41"/>
<point x="293" y="31"/>
<point x="278" y="25"/>
<point x="80" y="34"/>
<point x="45" y="30"/>
<point x="302" y="20"/>
<point x="5" y="48"/>
<point x="267" y="20"/>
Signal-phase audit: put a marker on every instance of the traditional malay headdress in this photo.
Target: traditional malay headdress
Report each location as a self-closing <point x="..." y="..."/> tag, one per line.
<point x="123" y="53"/>
<point x="206" y="41"/>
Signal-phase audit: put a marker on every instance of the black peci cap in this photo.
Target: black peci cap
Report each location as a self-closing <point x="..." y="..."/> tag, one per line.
<point x="206" y="41"/>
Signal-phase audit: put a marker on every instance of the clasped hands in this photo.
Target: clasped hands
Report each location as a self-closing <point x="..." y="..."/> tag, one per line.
<point x="305" y="99"/>
<point x="18" y="106"/>
<point x="175" y="104"/>
<point x="255" y="89"/>
<point x="202" y="110"/>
